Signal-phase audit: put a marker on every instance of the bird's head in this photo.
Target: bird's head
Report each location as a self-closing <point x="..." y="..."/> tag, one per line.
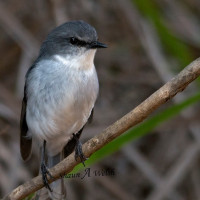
<point x="73" y="39"/>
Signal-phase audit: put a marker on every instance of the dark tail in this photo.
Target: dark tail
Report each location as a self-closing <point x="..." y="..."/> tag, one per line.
<point x="58" y="187"/>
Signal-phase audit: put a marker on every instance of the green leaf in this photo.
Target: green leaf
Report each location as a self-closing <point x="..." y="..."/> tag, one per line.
<point x="173" y="45"/>
<point x="29" y="197"/>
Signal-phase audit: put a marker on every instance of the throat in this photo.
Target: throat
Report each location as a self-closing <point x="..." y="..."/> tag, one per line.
<point x="87" y="58"/>
<point x="85" y="61"/>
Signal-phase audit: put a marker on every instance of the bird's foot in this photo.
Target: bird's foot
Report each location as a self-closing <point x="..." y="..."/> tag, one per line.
<point x="45" y="172"/>
<point x="79" y="151"/>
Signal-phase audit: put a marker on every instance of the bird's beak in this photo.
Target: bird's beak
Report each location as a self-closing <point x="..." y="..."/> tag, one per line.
<point x="96" y="44"/>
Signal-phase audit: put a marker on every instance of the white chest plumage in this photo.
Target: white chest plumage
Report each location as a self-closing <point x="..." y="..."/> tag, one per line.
<point x="61" y="95"/>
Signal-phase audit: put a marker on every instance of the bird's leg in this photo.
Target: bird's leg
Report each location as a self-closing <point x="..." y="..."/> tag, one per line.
<point x="78" y="148"/>
<point x="44" y="169"/>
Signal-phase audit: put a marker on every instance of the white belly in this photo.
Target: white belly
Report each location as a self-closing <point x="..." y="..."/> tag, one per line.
<point x="60" y="104"/>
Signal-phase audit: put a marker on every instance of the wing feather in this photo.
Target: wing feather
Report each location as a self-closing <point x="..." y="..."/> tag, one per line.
<point x="25" y="140"/>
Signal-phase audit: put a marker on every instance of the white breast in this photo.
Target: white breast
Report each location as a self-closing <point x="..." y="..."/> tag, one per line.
<point x="61" y="95"/>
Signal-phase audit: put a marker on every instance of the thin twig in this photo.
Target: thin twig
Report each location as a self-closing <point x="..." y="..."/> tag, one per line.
<point x="114" y="188"/>
<point x="60" y="14"/>
<point x="17" y="31"/>
<point x="175" y="175"/>
<point x="144" y="166"/>
<point x="137" y="115"/>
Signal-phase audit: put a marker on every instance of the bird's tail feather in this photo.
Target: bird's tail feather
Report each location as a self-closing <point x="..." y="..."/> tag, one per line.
<point x="58" y="186"/>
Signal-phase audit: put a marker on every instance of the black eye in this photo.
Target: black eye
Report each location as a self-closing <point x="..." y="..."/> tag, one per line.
<point x="74" y="40"/>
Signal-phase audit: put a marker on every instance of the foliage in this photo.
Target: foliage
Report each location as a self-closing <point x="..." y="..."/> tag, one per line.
<point x="173" y="45"/>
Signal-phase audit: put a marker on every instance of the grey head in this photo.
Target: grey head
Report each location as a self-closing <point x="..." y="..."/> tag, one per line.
<point x="70" y="38"/>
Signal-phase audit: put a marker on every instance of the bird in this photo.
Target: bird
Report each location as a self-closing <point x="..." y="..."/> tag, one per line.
<point x="61" y="88"/>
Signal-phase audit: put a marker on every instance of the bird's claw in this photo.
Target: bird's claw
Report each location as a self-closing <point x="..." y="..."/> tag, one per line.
<point x="45" y="172"/>
<point x="79" y="151"/>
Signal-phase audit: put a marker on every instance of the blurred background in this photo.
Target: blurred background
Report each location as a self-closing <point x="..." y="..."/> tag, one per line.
<point x="149" y="42"/>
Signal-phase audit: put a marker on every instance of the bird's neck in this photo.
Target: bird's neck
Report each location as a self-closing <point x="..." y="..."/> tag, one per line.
<point x="84" y="61"/>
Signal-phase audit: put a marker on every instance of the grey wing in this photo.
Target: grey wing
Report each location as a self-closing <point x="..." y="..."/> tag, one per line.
<point x="25" y="140"/>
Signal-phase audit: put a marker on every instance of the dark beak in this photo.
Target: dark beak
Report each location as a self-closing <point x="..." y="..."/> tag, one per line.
<point x="96" y="44"/>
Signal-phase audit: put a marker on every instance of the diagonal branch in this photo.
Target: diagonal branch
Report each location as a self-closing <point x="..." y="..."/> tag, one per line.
<point x="137" y="115"/>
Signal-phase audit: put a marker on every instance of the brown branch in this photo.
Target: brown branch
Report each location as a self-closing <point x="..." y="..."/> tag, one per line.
<point x="137" y="115"/>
